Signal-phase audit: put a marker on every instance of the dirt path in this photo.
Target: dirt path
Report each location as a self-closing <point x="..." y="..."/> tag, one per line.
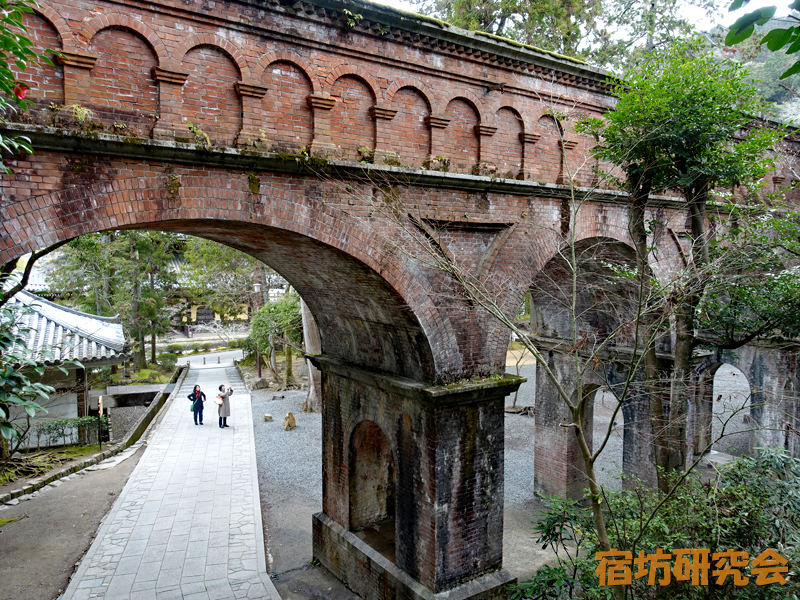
<point x="38" y="553"/>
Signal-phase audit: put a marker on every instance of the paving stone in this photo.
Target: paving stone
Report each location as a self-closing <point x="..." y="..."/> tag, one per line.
<point x="184" y="527"/>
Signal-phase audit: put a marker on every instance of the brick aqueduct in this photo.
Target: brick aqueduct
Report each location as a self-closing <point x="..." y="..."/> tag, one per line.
<point x="381" y="94"/>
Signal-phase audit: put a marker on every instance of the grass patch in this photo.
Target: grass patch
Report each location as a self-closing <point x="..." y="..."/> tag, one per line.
<point x="157" y="376"/>
<point x="33" y="464"/>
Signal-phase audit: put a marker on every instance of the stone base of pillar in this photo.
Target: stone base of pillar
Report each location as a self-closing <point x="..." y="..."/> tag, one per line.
<point x="373" y="577"/>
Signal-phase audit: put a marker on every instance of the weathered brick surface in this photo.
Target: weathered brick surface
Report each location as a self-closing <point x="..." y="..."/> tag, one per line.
<point x="448" y="454"/>
<point x="301" y="79"/>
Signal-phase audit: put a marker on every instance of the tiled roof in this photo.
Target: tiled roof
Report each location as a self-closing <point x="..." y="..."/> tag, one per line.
<point x="70" y="334"/>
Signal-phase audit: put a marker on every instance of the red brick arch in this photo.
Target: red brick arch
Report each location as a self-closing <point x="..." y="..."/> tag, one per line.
<point x="357" y="72"/>
<point x="289" y="57"/>
<point x="385" y="313"/>
<point x="508" y="104"/>
<point x="471" y="99"/>
<point x="410" y="82"/>
<point x="58" y="23"/>
<point x="207" y="39"/>
<point x="121" y="21"/>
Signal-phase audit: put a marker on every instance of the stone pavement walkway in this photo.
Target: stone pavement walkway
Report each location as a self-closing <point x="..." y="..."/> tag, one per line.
<point x="188" y="522"/>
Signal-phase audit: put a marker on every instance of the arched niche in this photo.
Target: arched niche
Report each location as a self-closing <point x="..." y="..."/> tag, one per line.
<point x="372" y="487"/>
<point x="210" y="101"/>
<point x="352" y="126"/>
<point x="124" y="93"/>
<point x="288" y="123"/>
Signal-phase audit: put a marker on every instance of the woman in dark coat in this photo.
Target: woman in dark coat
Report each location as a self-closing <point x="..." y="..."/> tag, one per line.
<point x="197" y="397"/>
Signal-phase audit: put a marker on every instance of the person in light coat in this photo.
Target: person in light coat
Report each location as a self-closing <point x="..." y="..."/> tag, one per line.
<point x="224" y="409"/>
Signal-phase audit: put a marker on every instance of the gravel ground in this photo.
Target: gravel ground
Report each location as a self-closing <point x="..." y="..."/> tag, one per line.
<point x="123" y="418"/>
<point x="289" y="476"/>
<point x="609" y="464"/>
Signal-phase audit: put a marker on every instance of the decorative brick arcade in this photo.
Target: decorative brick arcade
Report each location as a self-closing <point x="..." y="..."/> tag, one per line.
<point x="304" y="118"/>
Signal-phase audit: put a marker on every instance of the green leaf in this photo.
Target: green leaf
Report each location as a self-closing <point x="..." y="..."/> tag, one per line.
<point x="737" y="4"/>
<point x="795" y="68"/>
<point x="746" y="24"/>
<point x="734" y="38"/>
<point x="8" y="432"/>
<point x="795" y="5"/>
<point x="778" y="38"/>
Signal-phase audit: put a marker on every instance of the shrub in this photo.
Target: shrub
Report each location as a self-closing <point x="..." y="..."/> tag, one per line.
<point x="168" y="360"/>
<point x="207" y="346"/>
<point x="174" y="348"/>
<point x="197" y="346"/>
<point x="105" y="372"/>
<point x="233" y="344"/>
<point x="153" y="377"/>
<point x="753" y="505"/>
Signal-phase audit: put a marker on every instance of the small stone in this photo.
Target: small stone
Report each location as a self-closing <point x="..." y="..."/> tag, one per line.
<point x="289" y="422"/>
<point x="268" y="417"/>
<point x="260" y="384"/>
<point x="13" y="502"/>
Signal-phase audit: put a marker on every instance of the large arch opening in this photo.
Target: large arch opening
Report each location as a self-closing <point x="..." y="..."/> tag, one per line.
<point x="723" y="419"/>
<point x="361" y="319"/>
<point x="581" y="312"/>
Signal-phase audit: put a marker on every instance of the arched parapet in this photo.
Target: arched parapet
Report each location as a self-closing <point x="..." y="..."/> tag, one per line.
<point x="118" y="20"/>
<point x="208" y="39"/>
<point x="503" y="101"/>
<point x="59" y="24"/>
<point x="290" y="57"/>
<point x="358" y="72"/>
<point x="471" y="99"/>
<point x="410" y="82"/>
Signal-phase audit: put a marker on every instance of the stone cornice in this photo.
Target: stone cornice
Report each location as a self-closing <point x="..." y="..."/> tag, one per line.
<point x="485" y="130"/>
<point x="253" y="90"/>
<point x="321" y="102"/>
<point x="529" y="138"/>
<point x="106" y="144"/>
<point x="382" y="112"/>
<point x="439" y="121"/>
<point x="428" y="34"/>
<point x="177" y="77"/>
<point x="81" y="60"/>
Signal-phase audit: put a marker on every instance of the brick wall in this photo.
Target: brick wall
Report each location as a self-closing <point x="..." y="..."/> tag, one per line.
<point x="449" y="470"/>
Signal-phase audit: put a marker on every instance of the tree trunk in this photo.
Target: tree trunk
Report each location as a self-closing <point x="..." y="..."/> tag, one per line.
<point x="685" y="342"/>
<point x="264" y="287"/>
<point x="258" y="361"/>
<point x="272" y="363"/>
<point x="681" y="384"/>
<point x="313" y="345"/>
<point x="288" y="375"/>
<point x="646" y="334"/>
<point x="153" y="347"/>
<point x="139" y="358"/>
